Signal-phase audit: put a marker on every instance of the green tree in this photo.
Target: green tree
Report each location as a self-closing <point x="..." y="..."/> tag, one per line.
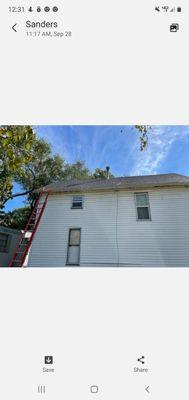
<point x="16" y="219"/>
<point x="43" y="169"/>
<point x="15" y="146"/>
<point x="28" y="161"/>
<point x="102" y="173"/>
<point x="78" y="170"/>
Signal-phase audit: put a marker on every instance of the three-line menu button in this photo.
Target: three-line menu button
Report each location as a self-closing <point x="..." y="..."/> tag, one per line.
<point x="41" y="389"/>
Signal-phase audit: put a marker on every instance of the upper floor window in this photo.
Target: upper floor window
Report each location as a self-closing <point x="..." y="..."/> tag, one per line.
<point x="142" y="206"/>
<point x="4" y="238"/>
<point x="77" y="202"/>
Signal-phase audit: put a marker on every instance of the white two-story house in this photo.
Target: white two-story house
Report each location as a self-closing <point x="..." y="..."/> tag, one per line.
<point x="140" y="221"/>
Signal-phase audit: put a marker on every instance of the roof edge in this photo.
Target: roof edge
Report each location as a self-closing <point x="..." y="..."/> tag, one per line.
<point x="117" y="189"/>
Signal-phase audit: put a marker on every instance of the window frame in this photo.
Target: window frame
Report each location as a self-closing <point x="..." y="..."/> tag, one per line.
<point x="72" y="201"/>
<point x="76" y="245"/>
<point x="147" y="206"/>
<point x="7" y="244"/>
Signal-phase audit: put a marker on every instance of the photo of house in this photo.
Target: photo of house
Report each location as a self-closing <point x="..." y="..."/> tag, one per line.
<point x="132" y="221"/>
<point x="99" y="218"/>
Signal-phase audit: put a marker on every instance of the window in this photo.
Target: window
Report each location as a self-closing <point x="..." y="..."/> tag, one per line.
<point x="4" y="243"/>
<point x="73" y="257"/>
<point x="142" y="206"/>
<point x="77" y="202"/>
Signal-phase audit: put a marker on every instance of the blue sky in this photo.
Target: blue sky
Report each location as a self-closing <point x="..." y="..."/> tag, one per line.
<point x="118" y="147"/>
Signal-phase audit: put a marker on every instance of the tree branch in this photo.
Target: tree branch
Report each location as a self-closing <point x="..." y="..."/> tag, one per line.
<point x="17" y="195"/>
<point x="25" y="193"/>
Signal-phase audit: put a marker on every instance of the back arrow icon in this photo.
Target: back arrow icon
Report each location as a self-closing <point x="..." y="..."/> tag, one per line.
<point x="13" y="27"/>
<point x="147" y="389"/>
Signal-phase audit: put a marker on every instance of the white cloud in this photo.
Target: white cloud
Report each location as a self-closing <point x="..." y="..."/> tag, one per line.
<point x="161" y="138"/>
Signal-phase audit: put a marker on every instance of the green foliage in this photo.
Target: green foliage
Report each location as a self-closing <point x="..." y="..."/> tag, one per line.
<point x="43" y="169"/>
<point x="78" y="170"/>
<point x="143" y="132"/>
<point x="15" y="145"/>
<point x="101" y="173"/>
<point x="16" y="219"/>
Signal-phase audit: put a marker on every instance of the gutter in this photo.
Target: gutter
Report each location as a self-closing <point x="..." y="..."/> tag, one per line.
<point x="116" y="189"/>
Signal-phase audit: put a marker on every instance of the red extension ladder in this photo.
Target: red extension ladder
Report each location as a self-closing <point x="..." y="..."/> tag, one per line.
<point x="29" y="232"/>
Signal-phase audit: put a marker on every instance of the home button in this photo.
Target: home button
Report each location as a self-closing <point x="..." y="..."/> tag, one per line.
<point x="94" y="389"/>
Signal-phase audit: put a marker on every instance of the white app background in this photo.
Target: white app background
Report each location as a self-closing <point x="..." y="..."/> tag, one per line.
<point x="121" y="66"/>
<point x="96" y="323"/>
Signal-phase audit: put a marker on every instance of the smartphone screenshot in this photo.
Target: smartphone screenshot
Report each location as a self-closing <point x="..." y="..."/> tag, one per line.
<point x="94" y="200"/>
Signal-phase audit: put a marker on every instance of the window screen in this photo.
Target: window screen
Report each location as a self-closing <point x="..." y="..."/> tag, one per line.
<point x="77" y="202"/>
<point x="143" y="206"/>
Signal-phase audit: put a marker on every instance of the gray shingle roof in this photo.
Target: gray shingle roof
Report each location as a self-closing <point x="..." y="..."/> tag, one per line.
<point x="128" y="182"/>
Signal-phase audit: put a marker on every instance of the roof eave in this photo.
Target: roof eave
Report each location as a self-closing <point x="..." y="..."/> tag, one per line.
<point x="131" y="187"/>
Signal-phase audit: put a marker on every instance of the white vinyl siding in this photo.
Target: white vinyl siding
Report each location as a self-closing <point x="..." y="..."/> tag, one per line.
<point x="111" y="234"/>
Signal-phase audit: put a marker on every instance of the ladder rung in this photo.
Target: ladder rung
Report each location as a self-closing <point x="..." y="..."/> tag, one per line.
<point x="20" y="252"/>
